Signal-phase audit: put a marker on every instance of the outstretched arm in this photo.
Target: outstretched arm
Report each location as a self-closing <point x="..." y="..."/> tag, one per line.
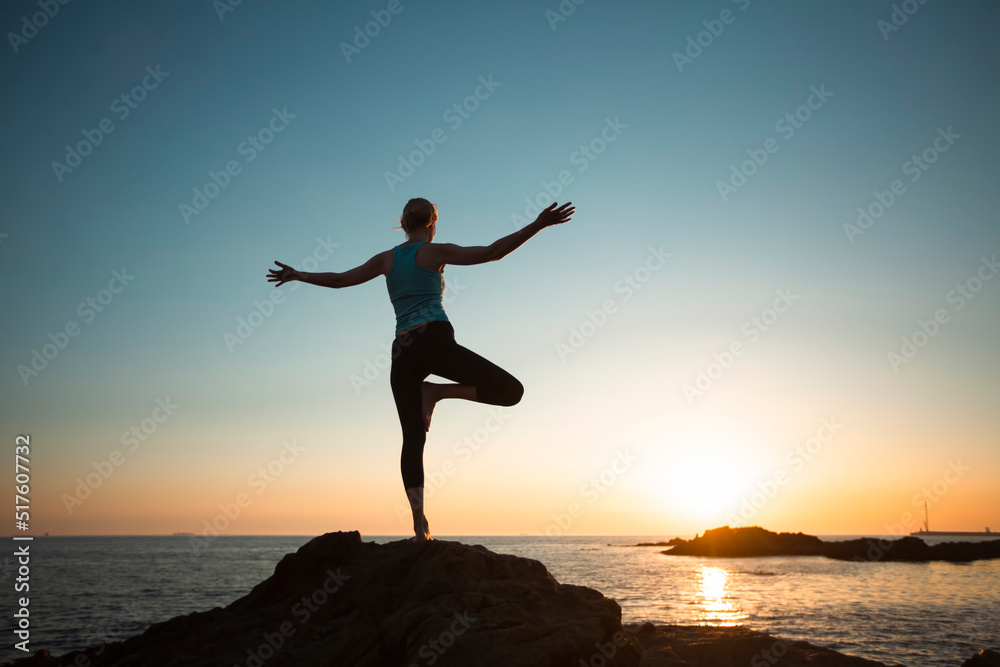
<point x="449" y="253"/>
<point x="373" y="268"/>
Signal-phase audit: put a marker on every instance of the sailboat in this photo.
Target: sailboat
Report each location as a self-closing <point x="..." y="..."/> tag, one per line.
<point x="927" y="532"/>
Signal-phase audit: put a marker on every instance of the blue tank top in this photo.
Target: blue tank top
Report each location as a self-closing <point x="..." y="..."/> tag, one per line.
<point x="416" y="293"/>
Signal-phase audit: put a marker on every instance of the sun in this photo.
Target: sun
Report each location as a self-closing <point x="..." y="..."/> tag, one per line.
<point x="704" y="483"/>
<point x="696" y="473"/>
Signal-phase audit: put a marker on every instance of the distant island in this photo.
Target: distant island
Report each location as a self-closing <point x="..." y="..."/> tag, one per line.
<point x="670" y="543"/>
<point x="754" y="541"/>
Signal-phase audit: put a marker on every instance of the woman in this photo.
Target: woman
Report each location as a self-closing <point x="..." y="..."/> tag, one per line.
<point x="425" y="340"/>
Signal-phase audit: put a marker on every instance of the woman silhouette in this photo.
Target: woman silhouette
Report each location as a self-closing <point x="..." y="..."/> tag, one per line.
<point x="425" y="340"/>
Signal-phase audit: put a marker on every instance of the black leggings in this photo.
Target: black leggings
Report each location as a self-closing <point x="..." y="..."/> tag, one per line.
<point x="431" y="350"/>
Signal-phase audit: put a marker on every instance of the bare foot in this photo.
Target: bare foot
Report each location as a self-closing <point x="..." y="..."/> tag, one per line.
<point x="424" y="536"/>
<point x="429" y="400"/>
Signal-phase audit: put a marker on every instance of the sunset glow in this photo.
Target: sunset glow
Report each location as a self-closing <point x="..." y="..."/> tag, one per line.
<point x="775" y="304"/>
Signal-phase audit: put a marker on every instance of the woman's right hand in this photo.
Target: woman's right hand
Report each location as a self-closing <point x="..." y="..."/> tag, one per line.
<point x="284" y="275"/>
<point x="555" y="216"/>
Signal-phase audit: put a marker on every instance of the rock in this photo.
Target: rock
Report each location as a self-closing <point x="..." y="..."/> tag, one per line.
<point x="670" y="543"/>
<point x="911" y="549"/>
<point x="694" y="646"/>
<point x="985" y="658"/>
<point x="745" y="542"/>
<point x="756" y="541"/>
<point x="341" y="601"/>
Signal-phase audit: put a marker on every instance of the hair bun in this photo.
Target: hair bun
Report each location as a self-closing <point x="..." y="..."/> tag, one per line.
<point x="417" y="214"/>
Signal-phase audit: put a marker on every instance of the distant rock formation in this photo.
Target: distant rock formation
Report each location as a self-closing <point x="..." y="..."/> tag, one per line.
<point x="729" y="542"/>
<point x="755" y="541"/>
<point x="341" y="601"/>
<point x="669" y="543"/>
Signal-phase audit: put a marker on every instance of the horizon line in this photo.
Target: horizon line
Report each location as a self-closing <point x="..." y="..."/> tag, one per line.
<point x="459" y="535"/>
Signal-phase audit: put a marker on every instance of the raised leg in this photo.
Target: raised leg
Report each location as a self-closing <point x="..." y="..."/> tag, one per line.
<point x="477" y="378"/>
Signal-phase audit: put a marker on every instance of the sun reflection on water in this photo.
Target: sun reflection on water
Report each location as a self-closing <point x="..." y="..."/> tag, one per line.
<point x="716" y="609"/>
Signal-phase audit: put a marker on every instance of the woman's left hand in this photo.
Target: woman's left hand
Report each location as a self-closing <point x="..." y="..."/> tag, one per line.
<point x="284" y="275"/>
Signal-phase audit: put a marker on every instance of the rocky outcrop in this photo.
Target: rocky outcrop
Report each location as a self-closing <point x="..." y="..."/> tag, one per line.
<point x="755" y="541"/>
<point x="697" y="646"/>
<point x="983" y="659"/>
<point x="729" y="542"/>
<point x="339" y="601"/>
<point x="912" y="549"/>
<point x="675" y="541"/>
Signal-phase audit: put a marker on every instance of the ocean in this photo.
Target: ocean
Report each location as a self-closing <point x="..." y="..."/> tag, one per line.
<point x="90" y="589"/>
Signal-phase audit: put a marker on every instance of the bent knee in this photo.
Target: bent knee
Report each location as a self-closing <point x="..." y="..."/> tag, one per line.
<point x="513" y="393"/>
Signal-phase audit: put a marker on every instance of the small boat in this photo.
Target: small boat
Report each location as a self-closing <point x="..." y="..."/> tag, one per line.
<point x="927" y="532"/>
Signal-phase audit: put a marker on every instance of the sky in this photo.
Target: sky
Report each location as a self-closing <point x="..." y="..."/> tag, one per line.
<point x="777" y="303"/>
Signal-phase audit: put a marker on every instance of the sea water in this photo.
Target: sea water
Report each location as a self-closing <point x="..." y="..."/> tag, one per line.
<point x="86" y="590"/>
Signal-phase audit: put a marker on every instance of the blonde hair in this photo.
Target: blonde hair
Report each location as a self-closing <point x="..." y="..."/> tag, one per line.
<point x="417" y="214"/>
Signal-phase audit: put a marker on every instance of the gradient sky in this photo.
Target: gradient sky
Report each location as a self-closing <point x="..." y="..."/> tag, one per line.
<point x="832" y="434"/>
